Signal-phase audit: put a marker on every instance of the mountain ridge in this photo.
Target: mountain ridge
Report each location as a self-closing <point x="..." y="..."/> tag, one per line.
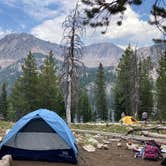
<point x="16" y="46"/>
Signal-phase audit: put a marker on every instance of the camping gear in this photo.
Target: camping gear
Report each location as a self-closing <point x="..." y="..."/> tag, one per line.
<point x="40" y="135"/>
<point x="129" y="120"/>
<point x="151" y="151"/>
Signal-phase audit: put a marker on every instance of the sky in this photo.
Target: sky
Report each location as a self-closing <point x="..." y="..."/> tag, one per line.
<point x="43" y="19"/>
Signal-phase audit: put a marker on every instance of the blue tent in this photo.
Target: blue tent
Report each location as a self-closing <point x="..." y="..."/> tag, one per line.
<point x="40" y="135"/>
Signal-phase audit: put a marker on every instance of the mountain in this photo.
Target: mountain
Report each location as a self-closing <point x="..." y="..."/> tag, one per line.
<point x="106" y="53"/>
<point x="14" y="47"/>
<point x="153" y="51"/>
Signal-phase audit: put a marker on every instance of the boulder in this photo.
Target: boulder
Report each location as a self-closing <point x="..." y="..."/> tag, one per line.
<point x="6" y="160"/>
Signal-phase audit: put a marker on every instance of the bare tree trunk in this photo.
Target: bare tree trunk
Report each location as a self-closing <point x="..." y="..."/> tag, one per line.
<point x="68" y="103"/>
<point x="136" y="86"/>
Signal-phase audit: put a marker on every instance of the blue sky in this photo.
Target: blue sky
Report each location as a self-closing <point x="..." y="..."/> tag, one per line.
<point x="43" y="18"/>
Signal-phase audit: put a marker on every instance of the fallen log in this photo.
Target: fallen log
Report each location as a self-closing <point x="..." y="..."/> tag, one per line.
<point x="154" y="135"/>
<point x="157" y="128"/>
<point x="121" y="136"/>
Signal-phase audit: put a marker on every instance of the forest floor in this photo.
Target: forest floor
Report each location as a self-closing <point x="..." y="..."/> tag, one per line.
<point x="114" y="156"/>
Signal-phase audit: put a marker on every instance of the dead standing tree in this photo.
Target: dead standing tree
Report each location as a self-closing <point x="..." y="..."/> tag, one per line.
<point x="72" y="65"/>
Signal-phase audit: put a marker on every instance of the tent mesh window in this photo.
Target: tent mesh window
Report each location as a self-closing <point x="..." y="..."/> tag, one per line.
<point x="37" y="125"/>
<point x="37" y="135"/>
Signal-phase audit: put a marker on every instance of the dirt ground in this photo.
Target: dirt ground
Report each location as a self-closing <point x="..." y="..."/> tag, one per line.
<point x="114" y="156"/>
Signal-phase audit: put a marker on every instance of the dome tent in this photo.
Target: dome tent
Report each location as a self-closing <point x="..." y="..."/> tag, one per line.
<point x="40" y="135"/>
<point x="128" y="120"/>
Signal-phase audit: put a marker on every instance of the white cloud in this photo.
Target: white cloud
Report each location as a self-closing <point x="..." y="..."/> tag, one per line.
<point x="50" y="30"/>
<point x="133" y="30"/>
<point x="4" y="32"/>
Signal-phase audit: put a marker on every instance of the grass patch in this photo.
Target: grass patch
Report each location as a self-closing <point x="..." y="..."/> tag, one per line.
<point x="4" y="125"/>
<point x="114" y="128"/>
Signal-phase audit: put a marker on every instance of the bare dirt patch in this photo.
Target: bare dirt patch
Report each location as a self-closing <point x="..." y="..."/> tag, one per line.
<point x="114" y="156"/>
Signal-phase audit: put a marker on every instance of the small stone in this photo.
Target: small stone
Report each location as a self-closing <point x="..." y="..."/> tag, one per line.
<point x="97" y="136"/>
<point x="105" y="147"/>
<point x="99" y="146"/>
<point x="119" y="144"/>
<point x="106" y="142"/>
<point x="89" y="148"/>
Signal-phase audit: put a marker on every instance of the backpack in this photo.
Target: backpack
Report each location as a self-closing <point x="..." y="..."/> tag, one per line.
<point x="151" y="151"/>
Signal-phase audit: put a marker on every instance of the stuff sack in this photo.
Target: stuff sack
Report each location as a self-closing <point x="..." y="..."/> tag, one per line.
<point x="151" y="151"/>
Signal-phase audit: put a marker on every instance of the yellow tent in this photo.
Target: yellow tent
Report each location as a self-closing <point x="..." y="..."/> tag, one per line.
<point x="128" y="120"/>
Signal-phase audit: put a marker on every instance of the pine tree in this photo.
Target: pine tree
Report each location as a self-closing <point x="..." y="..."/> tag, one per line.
<point x="99" y="12"/>
<point x="17" y="102"/>
<point x="146" y="87"/>
<point x="29" y="83"/>
<point x="126" y="90"/>
<point x="49" y="87"/>
<point x="100" y="94"/>
<point x="25" y="94"/>
<point x="159" y="13"/>
<point x="84" y="108"/>
<point x="122" y="89"/>
<point x="3" y="101"/>
<point x="161" y="87"/>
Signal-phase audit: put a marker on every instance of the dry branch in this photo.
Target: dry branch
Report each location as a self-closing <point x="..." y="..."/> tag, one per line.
<point x="121" y="136"/>
<point x="158" y="128"/>
<point x="154" y="135"/>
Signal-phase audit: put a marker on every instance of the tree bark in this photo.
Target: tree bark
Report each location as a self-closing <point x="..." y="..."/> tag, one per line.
<point x="68" y="104"/>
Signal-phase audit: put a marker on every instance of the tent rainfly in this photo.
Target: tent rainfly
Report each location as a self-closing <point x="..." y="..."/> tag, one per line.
<point x="128" y="120"/>
<point x="40" y="135"/>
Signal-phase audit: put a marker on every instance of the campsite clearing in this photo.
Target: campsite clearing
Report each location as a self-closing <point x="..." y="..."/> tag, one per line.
<point x="114" y="156"/>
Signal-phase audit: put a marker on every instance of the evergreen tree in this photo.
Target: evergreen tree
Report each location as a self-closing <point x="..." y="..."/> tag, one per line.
<point x="3" y="101"/>
<point x="122" y="89"/>
<point x="11" y="113"/>
<point x="84" y="108"/>
<point x="145" y="87"/>
<point x="161" y="87"/>
<point x="25" y="94"/>
<point x="29" y="83"/>
<point x="159" y="13"/>
<point x="100" y="94"/>
<point x="51" y="96"/>
<point x="17" y="102"/>
<point x="99" y="12"/>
